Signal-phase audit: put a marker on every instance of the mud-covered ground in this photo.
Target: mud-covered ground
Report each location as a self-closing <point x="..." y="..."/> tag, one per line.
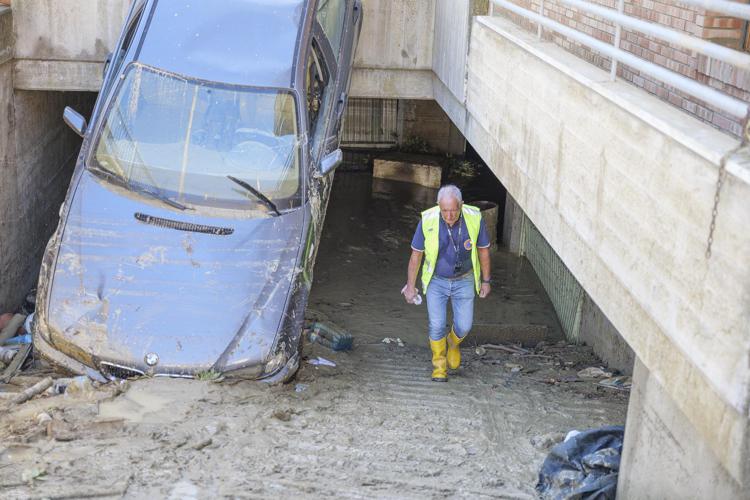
<point x="373" y="426"/>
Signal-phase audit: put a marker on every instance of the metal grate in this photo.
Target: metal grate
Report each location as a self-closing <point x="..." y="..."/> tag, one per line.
<point x="183" y="226"/>
<point x="370" y="123"/>
<point x="111" y="370"/>
<point x="561" y="286"/>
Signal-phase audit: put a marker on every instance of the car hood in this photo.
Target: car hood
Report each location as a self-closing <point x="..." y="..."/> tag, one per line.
<point x="134" y="279"/>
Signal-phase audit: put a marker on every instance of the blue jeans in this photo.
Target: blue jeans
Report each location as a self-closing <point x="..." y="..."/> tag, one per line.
<point x="461" y="293"/>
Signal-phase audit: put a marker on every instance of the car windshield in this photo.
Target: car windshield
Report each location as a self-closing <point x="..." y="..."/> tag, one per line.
<point x="184" y="139"/>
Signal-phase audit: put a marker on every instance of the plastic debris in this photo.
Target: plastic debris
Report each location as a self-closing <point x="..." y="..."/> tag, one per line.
<point x="98" y="377"/>
<point x="593" y="372"/>
<point x="417" y="298"/>
<point x="27" y="323"/>
<point x="81" y="385"/>
<point x="480" y="351"/>
<point x="570" y="435"/>
<point x="321" y="362"/>
<point x="391" y="340"/>
<point x="300" y="387"/>
<point x="29" y="475"/>
<point x="585" y="465"/>
<point x="42" y="418"/>
<point x="330" y="337"/>
<point x="513" y="367"/>
<point x="19" y="339"/>
<point x="621" y="383"/>
<point x="7" y="354"/>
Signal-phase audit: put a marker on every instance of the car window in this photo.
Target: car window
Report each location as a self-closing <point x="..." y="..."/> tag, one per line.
<point x="128" y="39"/>
<point x="183" y="137"/>
<point x="331" y="15"/>
<point x="319" y="94"/>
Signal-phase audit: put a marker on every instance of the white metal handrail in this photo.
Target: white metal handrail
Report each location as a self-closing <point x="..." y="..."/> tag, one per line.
<point x="739" y="59"/>
<point x="711" y="96"/>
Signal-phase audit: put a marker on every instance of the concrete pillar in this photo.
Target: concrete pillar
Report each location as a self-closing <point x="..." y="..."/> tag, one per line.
<point x="663" y="454"/>
<point x="512" y="225"/>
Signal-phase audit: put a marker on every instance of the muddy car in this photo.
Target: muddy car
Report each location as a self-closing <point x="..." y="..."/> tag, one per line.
<point x="188" y="235"/>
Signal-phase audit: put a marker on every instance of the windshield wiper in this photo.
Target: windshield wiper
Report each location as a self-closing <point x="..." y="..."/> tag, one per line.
<point x="164" y="199"/>
<point x="108" y="173"/>
<point x="257" y="193"/>
<point x="138" y="189"/>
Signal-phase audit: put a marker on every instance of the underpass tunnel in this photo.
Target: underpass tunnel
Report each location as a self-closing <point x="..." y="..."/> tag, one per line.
<point x="365" y="247"/>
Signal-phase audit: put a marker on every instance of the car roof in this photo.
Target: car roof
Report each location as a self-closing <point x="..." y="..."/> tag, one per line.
<point x="244" y="42"/>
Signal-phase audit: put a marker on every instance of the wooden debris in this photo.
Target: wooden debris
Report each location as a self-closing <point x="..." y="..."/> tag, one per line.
<point x="34" y="390"/>
<point x="510" y="349"/>
<point x="14" y="365"/>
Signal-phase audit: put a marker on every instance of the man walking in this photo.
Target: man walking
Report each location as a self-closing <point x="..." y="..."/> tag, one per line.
<point x="453" y="239"/>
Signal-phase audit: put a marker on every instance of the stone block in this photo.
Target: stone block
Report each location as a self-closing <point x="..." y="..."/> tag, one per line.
<point x="428" y="175"/>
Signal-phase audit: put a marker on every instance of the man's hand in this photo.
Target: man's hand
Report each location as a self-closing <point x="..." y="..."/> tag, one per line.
<point x="409" y="293"/>
<point x="484" y="291"/>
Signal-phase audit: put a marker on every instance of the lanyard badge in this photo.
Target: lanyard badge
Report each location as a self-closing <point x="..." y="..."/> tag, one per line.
<point x="458" y="265"/>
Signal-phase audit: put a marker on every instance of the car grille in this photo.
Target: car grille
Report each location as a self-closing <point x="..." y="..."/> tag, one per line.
<point x="112" y="370"/>
<point x="183" y="226"/>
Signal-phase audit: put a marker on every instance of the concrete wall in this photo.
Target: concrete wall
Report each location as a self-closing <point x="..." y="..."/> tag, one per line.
<point x="624" y="195"/>
<point x="598" y="332"/>
<point x="37" y="154"/>
<point x="425" y="119"/>
<point x="394" y="56"/>
<point x="60" y="44"/>
<point x="10" y="292"/>
<point x="453" y="20"/>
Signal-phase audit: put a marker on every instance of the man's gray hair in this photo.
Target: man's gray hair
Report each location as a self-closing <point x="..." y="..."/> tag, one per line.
<point x="449" y="191"/>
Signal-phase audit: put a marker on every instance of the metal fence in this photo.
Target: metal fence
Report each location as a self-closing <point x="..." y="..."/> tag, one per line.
<point x="564" y="291"/>
<point x="370" y="123"/>
<point x="704" y="92"/>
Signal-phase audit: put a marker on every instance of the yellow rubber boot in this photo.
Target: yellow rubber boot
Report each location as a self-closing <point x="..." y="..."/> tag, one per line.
<point x="439" y="372"/>
<point x="454" y="353"/>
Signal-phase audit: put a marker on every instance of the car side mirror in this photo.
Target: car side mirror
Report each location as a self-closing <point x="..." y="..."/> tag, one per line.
<point x="74" y="120"/>
<point x="330" y="161"/>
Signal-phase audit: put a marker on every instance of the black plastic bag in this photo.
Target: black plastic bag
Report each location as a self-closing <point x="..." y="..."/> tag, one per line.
<point x="583" y="467"/>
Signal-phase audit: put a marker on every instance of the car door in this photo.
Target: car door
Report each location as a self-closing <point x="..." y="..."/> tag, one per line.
<point x="337" y="22"/>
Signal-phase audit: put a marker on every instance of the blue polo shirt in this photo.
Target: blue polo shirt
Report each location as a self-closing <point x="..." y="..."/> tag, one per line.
<point x="447" y="257"/>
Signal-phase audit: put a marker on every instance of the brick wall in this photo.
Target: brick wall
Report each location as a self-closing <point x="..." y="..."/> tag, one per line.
<point x="692" y="20"/>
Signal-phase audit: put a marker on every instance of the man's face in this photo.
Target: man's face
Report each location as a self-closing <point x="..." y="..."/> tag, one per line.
<point x="450" y="210"/>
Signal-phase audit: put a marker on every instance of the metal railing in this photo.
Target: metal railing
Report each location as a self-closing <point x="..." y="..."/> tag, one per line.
<point x="713" y="97"/>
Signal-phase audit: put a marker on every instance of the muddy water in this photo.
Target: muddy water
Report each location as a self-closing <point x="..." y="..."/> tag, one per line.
<point x="374" y="426"/>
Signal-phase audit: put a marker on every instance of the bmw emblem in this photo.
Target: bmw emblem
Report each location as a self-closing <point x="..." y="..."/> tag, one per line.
<point x="151" y="359"/>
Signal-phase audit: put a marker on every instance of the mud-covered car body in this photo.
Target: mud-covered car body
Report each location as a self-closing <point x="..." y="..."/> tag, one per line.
<point x="189" y="232"/>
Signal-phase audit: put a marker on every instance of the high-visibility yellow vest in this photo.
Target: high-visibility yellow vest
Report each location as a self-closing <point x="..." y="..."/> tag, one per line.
<point x="431" y="230"/>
